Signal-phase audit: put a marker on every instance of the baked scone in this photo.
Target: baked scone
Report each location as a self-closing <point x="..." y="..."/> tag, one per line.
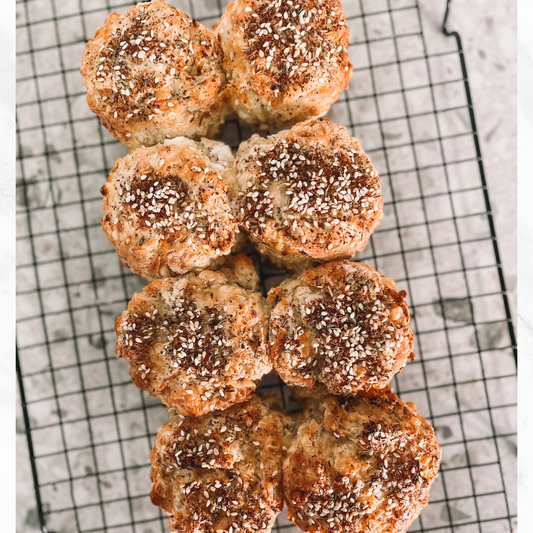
<point x="308" y="193"/>
<point x="341" y="326"/>
<point x="221" y="472"/>
<point x="154" y="73"/>
<point x="362" y="464"/>
<point x="197" y="342"/>
<point x="166" y="209"/>
<point x="284" y="61"/>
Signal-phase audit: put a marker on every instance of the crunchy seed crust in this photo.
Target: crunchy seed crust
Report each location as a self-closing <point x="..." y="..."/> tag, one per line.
<point x="166" y="209"/>
<point x="153" y="73"/>
<point x="220" y="472"/>
<point x="286" y="61"/>
<point x="197" y="342"/>
<point x="363" y="464"/>
<point x="308" y="193"/>
<point x="341" y="326"/>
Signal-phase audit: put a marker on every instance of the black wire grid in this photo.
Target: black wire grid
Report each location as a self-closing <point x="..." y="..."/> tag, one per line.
<point x="90" y="429"/>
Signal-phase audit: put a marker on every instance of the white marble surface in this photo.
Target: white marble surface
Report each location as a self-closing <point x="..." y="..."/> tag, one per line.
<point x="488" y="32"/>
<point x="525" y="264"/>
<point x="488" y="39"/>
<point x="7" y="265"/>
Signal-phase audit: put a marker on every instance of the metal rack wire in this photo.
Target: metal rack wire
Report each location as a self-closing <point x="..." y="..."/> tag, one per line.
<point x="89" y="429"/>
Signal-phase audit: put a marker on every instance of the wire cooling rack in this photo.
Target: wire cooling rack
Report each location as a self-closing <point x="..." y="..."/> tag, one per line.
<point x="90" y="429"/>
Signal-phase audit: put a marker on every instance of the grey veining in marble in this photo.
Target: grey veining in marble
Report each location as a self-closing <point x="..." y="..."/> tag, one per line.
<point x="525" y="265"/>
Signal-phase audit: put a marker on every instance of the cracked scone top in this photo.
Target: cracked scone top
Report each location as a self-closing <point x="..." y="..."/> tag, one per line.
<point x="166" y="209"/>
<point x="308" y="193"/>
<point x="220" y="473"/>
<point x="154" y="73"/>
<point x="285" y="60"/>
<point x="197" y="342"/>
<point x="362" y="464"/>
<point x="341" y="326"/>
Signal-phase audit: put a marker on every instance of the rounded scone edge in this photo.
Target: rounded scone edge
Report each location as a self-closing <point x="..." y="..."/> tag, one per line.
<point x="134" y="107"/>
<point x="296" y="200"/>
<point x="350" y="459"/>
<point x="153" y="250"/>
<point x="325" y="322"/>
<point x="198" y="342"/>
<point x="248" y="441"/>
<point x="275" y="100"/>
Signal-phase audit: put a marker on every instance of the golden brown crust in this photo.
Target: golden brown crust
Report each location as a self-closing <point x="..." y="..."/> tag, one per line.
<point x="308" y="193"/>
<point x="341" y="326"/>
<point x="197" y="342"/>
<point x="221" y="472"/>
<point x="239" y="269"/>
<point x="285" y="61"/>
<point x="166" y="209"/>
<point x="153" y="73"/>
<point x="363" y="464"/>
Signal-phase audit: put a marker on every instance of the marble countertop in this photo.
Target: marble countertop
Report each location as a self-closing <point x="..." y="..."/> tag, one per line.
<point x="489" y="41"/>
<point x="525" y="262"/>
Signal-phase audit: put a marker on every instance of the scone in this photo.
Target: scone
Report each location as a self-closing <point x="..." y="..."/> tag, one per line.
<point x="220" y="472"/>
<point x="341" y="326"/>
<point x="166" y="209"/>
<point x="154" y="73"/>
<point x="197" y="342"/>
<point x="285" y="61"/>
<point x="308" y="193"/>
<point x="363" y="464"/>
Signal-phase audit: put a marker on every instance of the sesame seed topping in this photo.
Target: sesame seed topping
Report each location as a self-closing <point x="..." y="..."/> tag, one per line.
<point x="301" y="190"/>
<point x="356" y="342"/>
<point x="196" y="341"/>
<point x="208" y="479"/>
<point x="296" y="42"/>
<point x="141" y="56"/>
<point x="163" y="204"/>
<point x="393" y="485"/>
